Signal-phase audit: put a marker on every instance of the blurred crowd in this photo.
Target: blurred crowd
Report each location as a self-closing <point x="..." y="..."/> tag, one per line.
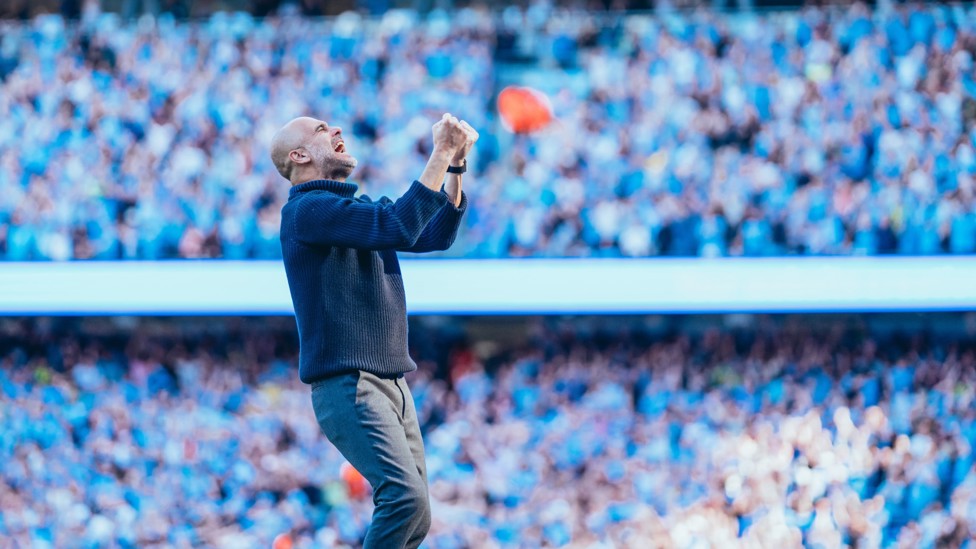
<point x="724" y="439"/>
<point x="819" y="131"/>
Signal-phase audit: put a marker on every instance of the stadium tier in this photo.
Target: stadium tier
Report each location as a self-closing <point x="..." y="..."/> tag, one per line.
<point x="812" y="132"/>
<point x="586" y="433"/>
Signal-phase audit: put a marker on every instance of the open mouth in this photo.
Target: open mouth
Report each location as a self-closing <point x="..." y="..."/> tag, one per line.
<point x="340" y="147"/>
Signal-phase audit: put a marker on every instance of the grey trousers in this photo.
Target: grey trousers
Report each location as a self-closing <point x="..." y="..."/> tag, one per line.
<point x="372" y="421"/>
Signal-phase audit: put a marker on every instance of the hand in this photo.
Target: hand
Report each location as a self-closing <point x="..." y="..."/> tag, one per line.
<point x="471" y="137"/>
<point x="449" y="134"/>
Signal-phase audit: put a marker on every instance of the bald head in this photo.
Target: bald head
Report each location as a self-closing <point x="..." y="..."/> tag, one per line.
<point x="290" y="137"/>
<point x="306" y="148"/>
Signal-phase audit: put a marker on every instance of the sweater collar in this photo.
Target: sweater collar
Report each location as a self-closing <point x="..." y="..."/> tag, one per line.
<point x="336" y="187"/>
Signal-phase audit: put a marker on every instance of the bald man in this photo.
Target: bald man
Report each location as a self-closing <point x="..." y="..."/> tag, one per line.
<point x="340" y="259"/>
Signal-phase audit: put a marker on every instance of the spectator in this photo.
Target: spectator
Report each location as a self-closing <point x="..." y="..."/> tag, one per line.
<point x="771" y="437"/>
<point x="824" y="131"/>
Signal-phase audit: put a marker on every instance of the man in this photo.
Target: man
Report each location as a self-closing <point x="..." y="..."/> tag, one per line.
<point x="340" y="259"/>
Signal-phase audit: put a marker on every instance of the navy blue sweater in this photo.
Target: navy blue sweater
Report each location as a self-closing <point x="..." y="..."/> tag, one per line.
<point x="344" y="277"/>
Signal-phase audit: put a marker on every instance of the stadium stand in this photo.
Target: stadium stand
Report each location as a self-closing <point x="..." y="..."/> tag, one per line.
<point x="195" y="432"/>
<point x="814" y="132"/>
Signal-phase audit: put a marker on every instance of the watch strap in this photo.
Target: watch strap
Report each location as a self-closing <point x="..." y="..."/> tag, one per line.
<point x="458" y="169"/>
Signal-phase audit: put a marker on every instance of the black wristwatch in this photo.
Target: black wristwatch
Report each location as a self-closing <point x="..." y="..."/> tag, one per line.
<point x="459" y="169"/>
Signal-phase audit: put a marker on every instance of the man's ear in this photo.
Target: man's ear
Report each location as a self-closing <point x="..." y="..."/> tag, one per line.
<point x="299" y="156"/>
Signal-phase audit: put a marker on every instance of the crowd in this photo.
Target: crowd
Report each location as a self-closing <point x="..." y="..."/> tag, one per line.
<point x="774" y="438"/>
<point x="819" y="131"/>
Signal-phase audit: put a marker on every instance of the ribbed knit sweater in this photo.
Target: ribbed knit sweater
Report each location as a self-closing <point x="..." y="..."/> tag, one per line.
<point x="344" y="277"/>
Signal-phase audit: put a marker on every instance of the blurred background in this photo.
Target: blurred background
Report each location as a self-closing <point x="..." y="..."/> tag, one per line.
<point x="725" y="298"/>
<point x="677" y="133"/>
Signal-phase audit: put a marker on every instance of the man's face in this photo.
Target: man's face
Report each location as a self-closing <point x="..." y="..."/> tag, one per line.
<point x="328" y="150"/>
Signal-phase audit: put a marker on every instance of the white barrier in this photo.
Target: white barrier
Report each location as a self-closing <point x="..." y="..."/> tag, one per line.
<point x="529" y="286"/>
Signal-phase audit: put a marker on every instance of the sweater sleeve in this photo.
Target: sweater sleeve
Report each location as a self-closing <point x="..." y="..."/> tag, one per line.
<point x="328" y="220"/>
<point x="440" y="233"/>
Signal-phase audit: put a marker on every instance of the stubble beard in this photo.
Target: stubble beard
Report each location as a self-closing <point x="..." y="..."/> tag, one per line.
<point x="335" y="167"/>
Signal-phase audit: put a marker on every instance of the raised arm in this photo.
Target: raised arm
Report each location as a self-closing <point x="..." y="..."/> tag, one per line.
<point x="453" y="185"/>
<point x="330" y="220"/>
<point x="442" y="230"/>
<point x="449" y="137"/>
<point x="326" y="219"/>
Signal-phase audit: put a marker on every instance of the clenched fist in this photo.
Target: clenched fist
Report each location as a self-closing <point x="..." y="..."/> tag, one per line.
<point x="449" y="134"/>
<point x="470" y="138"/>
